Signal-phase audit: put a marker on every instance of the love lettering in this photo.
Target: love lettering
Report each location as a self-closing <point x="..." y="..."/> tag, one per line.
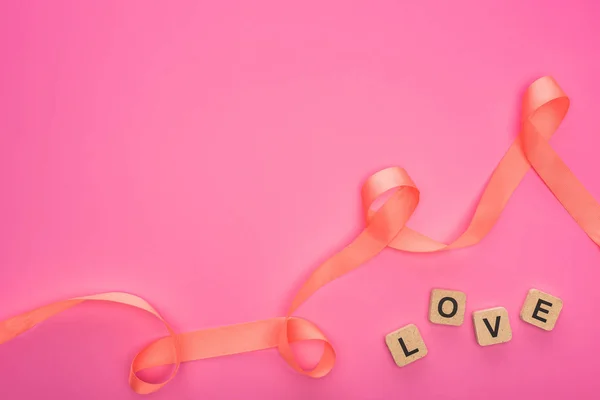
<point x="492" y="325"/>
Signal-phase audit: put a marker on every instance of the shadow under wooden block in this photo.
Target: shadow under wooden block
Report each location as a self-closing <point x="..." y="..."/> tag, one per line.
<point x="447" y="307"/>
<point x="541" y="309"/>
<point x="406" y="345"/>
<point x="492" y="326"/>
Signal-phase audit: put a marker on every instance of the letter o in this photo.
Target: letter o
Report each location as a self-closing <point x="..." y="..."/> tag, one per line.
<point x="441" y="307"/>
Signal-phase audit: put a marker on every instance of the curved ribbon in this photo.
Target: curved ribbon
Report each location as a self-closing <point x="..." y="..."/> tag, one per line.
<point x="13" y="327"/>
<point x="544" y="107"/>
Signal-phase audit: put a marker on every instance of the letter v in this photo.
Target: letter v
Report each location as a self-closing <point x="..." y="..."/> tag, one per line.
<point x="493" y="332"/>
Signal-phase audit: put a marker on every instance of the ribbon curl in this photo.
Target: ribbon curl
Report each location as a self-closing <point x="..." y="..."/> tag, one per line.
<point x="544" y="107"/>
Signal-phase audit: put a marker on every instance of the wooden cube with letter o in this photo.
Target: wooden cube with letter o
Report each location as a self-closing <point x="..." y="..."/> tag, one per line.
<point x="447" y="307"/>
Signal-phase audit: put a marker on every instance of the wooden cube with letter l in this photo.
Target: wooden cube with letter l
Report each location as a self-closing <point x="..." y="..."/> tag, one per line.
<point x="406" y="345"/>
<point x="541" y="309"/>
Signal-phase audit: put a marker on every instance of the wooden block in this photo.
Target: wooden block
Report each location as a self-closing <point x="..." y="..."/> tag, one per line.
<point x="541" y="309"/>
<point x="447" y="307"/>
<point x="406" y="345"/>
<point x="492" y="326"/>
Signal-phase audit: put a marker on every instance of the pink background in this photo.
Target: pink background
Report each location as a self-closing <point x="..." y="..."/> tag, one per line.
<point x="208" y="155"/>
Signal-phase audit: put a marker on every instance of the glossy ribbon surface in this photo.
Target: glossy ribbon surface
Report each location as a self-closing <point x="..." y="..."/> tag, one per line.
<point x="544" y="107"/>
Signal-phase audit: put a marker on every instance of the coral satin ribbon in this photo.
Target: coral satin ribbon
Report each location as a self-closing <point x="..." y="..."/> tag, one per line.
<point x="544" y="107"/>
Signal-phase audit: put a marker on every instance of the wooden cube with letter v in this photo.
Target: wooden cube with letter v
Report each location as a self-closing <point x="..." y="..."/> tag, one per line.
<point x="406" y="345"/>
<point x="541" y="309"/>
<point x="492" y="326"/>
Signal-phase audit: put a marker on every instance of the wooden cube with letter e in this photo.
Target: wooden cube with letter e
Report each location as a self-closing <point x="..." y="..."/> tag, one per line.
<point x="541" y="309"/>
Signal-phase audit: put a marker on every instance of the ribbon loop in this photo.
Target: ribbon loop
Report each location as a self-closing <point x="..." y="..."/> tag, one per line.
<point x="381" y="183"/>
<point x="292" y="330"/>
<point x="545" y="104"/>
